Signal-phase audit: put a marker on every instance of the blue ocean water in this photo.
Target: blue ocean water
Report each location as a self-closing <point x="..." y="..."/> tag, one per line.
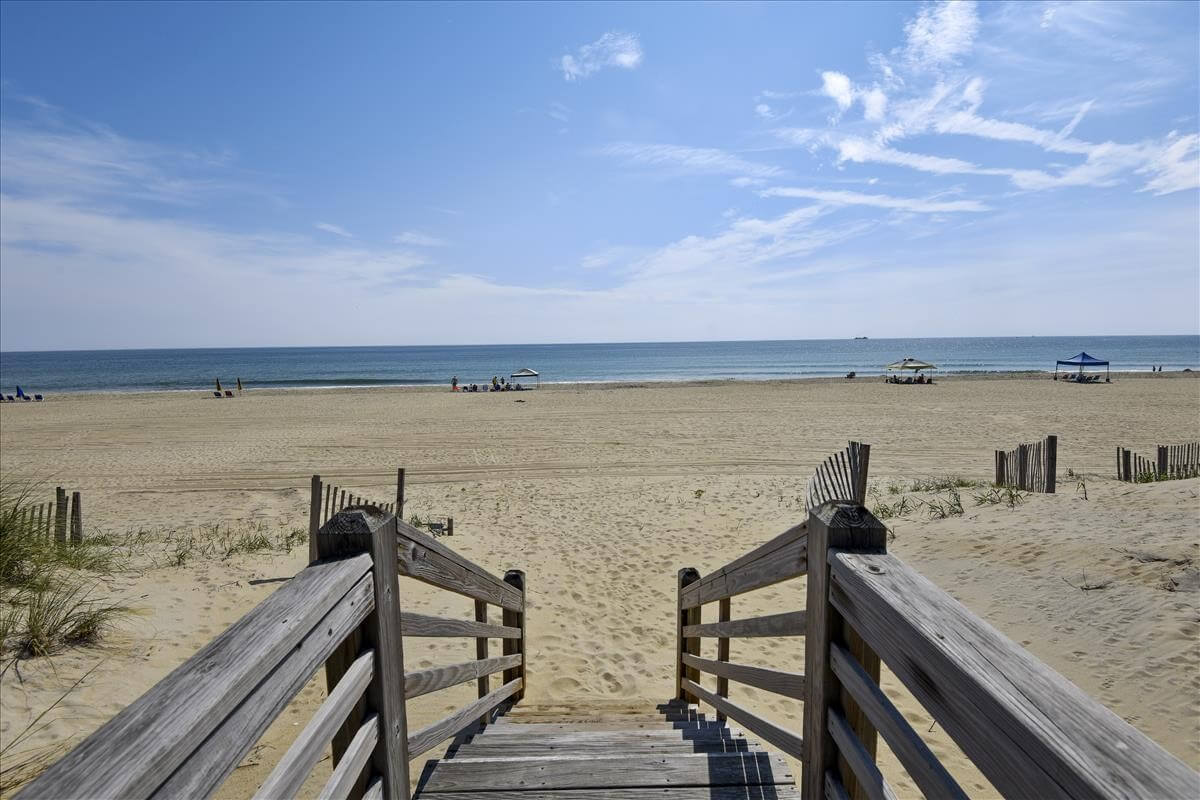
<point x="272" y="367"/>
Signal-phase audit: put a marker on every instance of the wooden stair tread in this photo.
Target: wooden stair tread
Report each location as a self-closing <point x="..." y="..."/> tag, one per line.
<point x="568" y="772"/>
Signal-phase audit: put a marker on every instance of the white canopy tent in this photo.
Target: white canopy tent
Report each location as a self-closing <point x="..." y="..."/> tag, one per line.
<point x="527" y="373"/>
<point x="910" y="364"/>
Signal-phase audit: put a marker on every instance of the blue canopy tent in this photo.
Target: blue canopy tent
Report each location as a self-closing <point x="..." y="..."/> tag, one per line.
<point x="1082" y="360"/>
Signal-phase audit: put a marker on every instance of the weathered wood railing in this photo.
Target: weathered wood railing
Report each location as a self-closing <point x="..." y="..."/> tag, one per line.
<point x="1030" y="467"/>
<point x="186" y="735"/>
<point x="1171" y="461"/>
<point x="1030" y="731"/>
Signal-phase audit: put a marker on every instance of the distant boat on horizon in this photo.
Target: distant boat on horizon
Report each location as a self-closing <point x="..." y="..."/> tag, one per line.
<point x="860" y="337"/>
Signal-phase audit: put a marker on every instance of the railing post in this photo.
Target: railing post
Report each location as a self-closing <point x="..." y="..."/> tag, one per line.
<point x="1162" y="461"/>
<point x="516" y="619"/>
<point x="346" y="534"/>
<point x="726" y="607"/>
<point x="314" y="517"/>
<point x="481" y="652"/>
<point x="850" y="527"/>
<point x="1127" y="464"/>
<point x="684" y="616"/>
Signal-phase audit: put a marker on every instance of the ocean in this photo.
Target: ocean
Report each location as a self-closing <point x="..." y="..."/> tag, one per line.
<point x="283" y="367"/>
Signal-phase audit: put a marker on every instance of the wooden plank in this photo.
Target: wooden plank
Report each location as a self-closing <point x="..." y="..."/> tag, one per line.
<point x="725" y="610"/>
<point x="76" y="517"/>
<point x="516" y="619"/>
<point x="60" y="515"/>
<point x="916" y="757"/>
<point x="424" y="558"/>
<point x="482" y="681"/>
<point x="834" y="790"/>
<point x="629" y="771"/>
<point x="549" y="732"/>
<point x="790" y="623"/>
<point x="435" y="678"/>
<point x="138" y="749"/>
<point x="512" y="747"/>
<point x="427" y="626"/>
<point x="293" y="769"/>
<point x="350" y="770"/>
<point x="778" y="560"/>
<point x="832" y="526"/>
<point x="684" y="578"/>
<point x="384" y="632"/>
<point x="428" y="737"/>
<point x="788" y="684"/>
<point x="314" y="517"/>
<point x="782" y="738"/>
<point x="770" y="792"/>
<point x="1030" y="731"/>
<point x="1051" y="463"/>
<point x="867" y="776"/>
<point x="214" y="759"/>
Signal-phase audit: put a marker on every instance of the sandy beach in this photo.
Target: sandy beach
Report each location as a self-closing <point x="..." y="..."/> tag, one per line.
<point x="601" y="493"/>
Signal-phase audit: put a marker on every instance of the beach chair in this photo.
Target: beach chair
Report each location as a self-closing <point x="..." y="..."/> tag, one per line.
<point x="9" y="398"/>
<point x="850" y="374"/>
<point x="217" y="395"/>
<point x="228" y="393"/>
<point x="37" y="397"/>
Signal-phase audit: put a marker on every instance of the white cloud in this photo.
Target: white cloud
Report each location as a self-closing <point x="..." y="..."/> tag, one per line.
<point x="336" y="230"/>
<point x="841" y="198"/>
<point x="837" y="86"/>
<point x="613" y="49"/>
<point x="941" y="33"/>
<point x="764" y="111"/>
<point x="691" y="160"/>
<point x="418" y="239"/>
<point x="874" y="104"/>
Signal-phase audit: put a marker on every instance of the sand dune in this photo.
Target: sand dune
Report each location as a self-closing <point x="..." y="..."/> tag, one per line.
<point x="600" y="495"/>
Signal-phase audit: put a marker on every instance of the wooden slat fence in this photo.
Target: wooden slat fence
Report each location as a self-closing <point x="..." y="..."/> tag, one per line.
<point x="1171" y="461"/>
<point x="186" y="735"/>
<point x="842" y="476"/>
<point x="60" y="518"/>
<point x="1030" y="731"/>
<point x="1030" y="467"/>
<point x="325" y="500"/>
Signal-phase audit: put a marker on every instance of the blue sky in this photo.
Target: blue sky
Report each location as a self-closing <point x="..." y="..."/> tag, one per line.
<point x="240" y="175"/>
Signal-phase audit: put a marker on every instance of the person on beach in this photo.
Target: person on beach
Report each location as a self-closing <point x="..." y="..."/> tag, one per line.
<point x="454" y="384"/>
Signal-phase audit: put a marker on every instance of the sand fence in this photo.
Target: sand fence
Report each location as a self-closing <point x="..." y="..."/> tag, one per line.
<point x="1171" y="461"/>
<point x="1030" y="467"/>
<point x="58" y="517"/>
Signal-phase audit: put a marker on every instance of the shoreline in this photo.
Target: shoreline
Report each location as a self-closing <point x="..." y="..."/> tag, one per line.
<point x="630" y="383"/>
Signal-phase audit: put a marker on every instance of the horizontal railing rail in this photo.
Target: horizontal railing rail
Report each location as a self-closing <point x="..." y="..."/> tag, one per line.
<point x="1029" y="730"/>
<point x="188" y="733"/>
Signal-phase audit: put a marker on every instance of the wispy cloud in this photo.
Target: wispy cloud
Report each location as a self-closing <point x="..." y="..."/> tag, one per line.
<point x="941" y="33"/>
<point x="691" y="160"/>
<point x="841" y="198"/>
<point x="418" y="239"/>
<point x="613" y="49"/>
<point x="336" y="230"/>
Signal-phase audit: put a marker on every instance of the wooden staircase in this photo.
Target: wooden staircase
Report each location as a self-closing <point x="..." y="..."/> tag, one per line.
<point x="551" y="752"/>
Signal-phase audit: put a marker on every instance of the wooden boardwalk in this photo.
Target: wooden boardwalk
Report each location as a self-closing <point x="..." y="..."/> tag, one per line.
<point x="542" y="754"/>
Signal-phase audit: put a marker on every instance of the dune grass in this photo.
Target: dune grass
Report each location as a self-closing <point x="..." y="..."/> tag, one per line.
<point x="51" y="594"/>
